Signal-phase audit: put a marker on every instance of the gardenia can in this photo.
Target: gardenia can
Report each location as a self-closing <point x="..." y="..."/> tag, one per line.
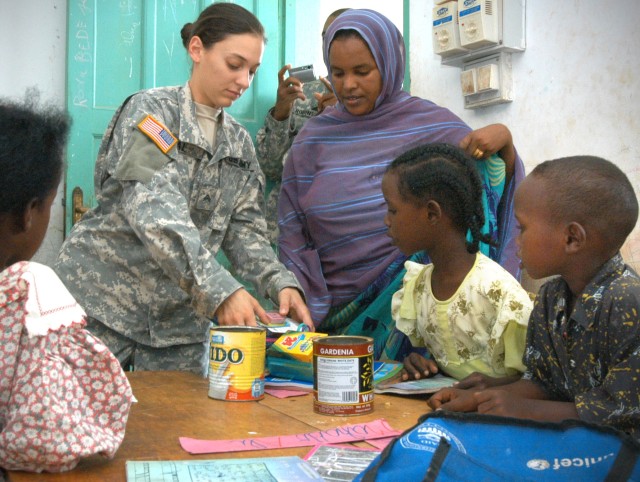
<point x="343" y="375"/>
<point x="236" y="362"/>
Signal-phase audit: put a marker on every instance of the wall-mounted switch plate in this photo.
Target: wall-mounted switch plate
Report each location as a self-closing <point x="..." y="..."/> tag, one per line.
<point x="493" y="81"/>
<point x="468" y="82"/>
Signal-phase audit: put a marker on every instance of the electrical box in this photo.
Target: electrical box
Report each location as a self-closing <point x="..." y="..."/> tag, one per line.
<point x="446" y="34"/>
<point x="487" y="81"/>
<point x="489" y="31"/>
<point x="487" y="27"/>
<point x="478" y="23"/>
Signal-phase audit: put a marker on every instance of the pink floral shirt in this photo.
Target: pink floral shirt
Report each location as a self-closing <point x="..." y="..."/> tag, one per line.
<point x="63" y="395"/>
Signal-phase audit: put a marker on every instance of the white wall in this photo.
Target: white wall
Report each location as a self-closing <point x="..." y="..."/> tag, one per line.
<point x="577" y="85"/>
<point x="32" y="54"/>
<point x="308" y="48"/>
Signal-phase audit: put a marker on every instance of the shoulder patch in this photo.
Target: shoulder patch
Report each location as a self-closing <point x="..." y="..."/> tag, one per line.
<point x="158" y="133"/>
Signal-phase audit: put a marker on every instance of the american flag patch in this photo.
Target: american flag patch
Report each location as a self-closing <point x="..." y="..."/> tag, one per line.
<point x="158" y="133"/>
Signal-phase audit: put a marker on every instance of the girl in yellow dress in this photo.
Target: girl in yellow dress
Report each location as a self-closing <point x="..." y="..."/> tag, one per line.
<point x="467" y="310"/>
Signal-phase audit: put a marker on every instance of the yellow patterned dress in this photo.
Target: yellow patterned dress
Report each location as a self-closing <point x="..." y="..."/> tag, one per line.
<point x="482" y="327"/>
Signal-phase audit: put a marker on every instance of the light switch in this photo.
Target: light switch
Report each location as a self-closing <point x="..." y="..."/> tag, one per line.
<point x="468" y="81"/>
<point x="488" y="78"/>
<point x="493" y="81"/>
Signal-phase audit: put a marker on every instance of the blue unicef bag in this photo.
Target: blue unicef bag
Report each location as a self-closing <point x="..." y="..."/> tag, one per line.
<point x="448" y="446"/>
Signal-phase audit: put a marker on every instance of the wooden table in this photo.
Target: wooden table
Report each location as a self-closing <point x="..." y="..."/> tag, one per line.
<point x="175" y="404"/>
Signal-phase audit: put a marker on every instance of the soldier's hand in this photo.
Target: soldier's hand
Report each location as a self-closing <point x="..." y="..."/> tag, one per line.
<point x="293" y="306"/>
<point x="240" y="308"/>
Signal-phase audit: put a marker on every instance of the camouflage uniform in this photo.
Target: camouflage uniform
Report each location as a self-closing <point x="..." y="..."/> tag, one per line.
<point x="274" y="140"/>
<point x="143" y="262"/>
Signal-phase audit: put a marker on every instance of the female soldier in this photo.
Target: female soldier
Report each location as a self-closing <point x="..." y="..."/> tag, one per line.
<point x="177" y="180"/>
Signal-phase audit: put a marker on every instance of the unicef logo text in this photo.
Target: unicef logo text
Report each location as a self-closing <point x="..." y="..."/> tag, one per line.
<point x="427" y="437"/>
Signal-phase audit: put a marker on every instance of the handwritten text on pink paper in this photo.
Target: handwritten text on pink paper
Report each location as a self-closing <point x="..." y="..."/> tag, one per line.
<point x="346" y="433"/>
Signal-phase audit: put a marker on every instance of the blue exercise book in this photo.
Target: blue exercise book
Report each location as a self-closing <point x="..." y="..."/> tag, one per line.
<point x="296" y="370"/>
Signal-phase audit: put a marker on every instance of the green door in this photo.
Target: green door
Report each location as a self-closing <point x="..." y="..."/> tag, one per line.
<point x="117" y="48"/>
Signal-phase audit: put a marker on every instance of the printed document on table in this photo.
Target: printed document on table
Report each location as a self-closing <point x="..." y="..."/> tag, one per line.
<point x="268" y="469"/>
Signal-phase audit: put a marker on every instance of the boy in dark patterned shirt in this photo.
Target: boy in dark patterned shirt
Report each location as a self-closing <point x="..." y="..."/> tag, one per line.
<point x="583" y="340"/>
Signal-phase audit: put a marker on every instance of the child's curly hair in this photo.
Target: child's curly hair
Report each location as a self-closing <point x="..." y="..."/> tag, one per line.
<point x="32" y="142"/>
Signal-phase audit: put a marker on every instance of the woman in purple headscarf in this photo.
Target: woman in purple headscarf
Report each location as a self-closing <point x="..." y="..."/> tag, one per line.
<point x="331" y="209"/>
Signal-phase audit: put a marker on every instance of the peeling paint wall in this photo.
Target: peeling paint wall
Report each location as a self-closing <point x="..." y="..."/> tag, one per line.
<point x="33" y="39"/>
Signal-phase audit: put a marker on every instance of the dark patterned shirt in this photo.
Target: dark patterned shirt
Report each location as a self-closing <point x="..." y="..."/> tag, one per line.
<point x="591" y="356"/>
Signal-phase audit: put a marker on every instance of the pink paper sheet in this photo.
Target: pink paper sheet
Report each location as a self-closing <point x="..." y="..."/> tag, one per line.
<point x="282" y="393"/>
<point x="347" y="433"/>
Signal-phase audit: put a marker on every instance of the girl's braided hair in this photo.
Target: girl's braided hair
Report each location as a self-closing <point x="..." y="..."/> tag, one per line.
<point x="445" y="174"/>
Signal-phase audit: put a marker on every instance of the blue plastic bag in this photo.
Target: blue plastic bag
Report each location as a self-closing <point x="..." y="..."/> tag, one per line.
<point x="447" y="446"/>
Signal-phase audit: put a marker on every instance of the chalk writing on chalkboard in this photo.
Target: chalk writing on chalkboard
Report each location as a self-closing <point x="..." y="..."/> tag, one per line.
<point x="83" y="57"/>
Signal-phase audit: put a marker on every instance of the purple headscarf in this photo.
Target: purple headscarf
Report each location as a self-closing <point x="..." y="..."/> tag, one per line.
<point x="385" y="43"/>
<point x="331" y="209"/>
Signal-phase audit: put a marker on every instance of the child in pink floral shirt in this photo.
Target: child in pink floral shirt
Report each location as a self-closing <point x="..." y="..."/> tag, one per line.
<point x="63" y="395"/>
